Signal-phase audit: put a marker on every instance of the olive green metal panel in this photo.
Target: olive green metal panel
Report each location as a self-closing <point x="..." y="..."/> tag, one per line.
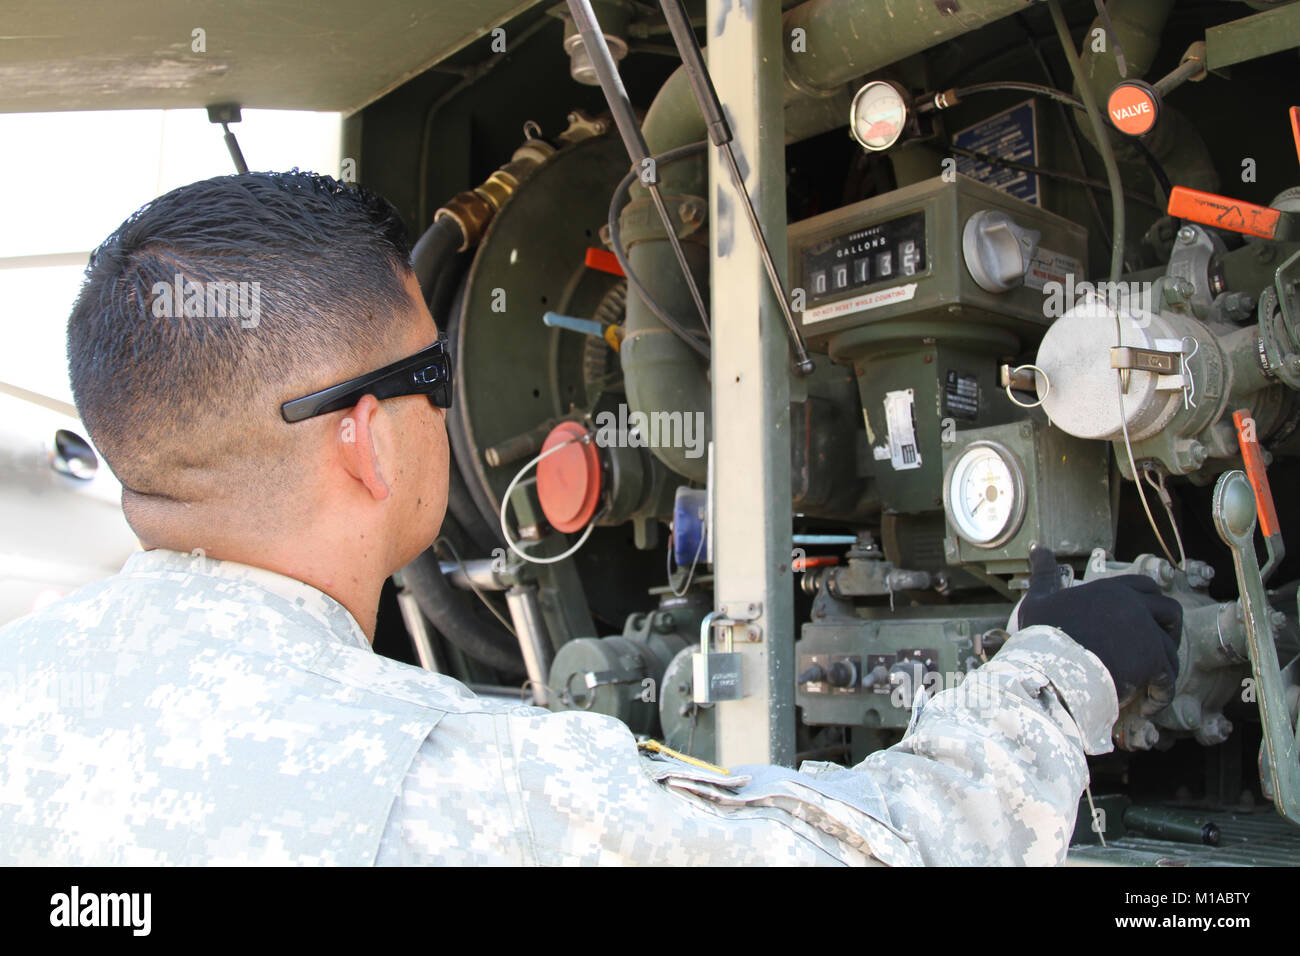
<point x="919" y="378"/>
<point x="1251" y="37"/>
<point x="272" y="54"/>
<point x="1066" y="489"/>
<point x="942" y="288"/>
<point x="943" y="645"/>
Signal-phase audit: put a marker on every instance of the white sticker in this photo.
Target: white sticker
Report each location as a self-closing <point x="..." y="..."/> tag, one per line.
<point x="860" y="303"/>
<point x="1048" y="266"/>
<point x="903" y="450"/>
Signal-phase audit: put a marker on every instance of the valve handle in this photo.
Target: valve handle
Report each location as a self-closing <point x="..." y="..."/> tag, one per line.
<point x="1234" y="518"/>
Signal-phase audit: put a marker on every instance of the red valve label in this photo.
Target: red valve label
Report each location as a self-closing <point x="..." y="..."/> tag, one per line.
<point x="1133" y="108"/>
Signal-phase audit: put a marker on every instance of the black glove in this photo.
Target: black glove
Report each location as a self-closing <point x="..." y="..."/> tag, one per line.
<point x="1124" y="620"/>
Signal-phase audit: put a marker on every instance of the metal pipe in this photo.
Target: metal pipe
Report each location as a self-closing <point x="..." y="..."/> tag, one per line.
<point x="1103" y="144"/>
<point x="1175" y="141"/>
<point x="720" y="133"/>
<point x="455" y="619"/>
<point x="841" y="41"/>
<point x="611" y="85"/>
<point x="1163" y="824"/>
<point x="418" y="627"/>
<point x="479" y="574"/>
<point x="533" y="644"/>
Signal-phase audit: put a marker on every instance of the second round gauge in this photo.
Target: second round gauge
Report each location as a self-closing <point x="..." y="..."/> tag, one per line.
<point x="984" y="493"/>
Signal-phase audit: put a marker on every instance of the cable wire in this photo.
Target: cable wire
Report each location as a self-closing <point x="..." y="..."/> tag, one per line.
<point x="690" y="573"/>
<point x="1051" y="173"/>
<point x="930" y="102"/>
<point x="505" y="505"/>
<point x="446" y="543"/>
<point x="1107" y="150"/>
<point x="1158" y="483"/>
<point x="1038" y="89"/>
<point x="1067" y="123"/>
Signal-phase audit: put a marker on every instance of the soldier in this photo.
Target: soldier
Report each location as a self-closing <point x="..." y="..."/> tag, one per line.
<point x="238" y="713"/>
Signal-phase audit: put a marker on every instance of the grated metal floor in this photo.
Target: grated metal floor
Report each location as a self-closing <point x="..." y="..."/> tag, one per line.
<point x="1245" y="839"/>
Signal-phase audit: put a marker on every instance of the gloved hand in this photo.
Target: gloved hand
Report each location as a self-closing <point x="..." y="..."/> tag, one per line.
<point x="1124" y="620"/>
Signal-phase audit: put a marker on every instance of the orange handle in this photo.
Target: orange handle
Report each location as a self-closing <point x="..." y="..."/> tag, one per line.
<point x="821" y="561"/>
<point x="602" y="260"/>
<point x="1254" y="459"/>
<point x="1295" y="128"/>
<point x="1223" y="213"/>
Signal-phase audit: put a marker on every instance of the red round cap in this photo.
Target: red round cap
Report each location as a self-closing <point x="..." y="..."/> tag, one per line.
<point x="1134" y="107"/>
<point x="568" y="482"/>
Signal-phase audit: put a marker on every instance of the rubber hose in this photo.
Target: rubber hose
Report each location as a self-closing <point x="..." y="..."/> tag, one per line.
<point x="439" y="269"/>
<point x="434" y="251"/>
<point x="450" y="612"/>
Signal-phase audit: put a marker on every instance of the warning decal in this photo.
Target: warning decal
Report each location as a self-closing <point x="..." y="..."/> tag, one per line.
<point x="901" y="422"/>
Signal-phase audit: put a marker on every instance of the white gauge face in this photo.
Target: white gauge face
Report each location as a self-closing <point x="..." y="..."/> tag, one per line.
<point x="984" y="495"/>
<point x="878" y="115"/>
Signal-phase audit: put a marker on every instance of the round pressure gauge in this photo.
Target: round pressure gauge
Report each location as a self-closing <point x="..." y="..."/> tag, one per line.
<point x="984" y="492"/>
<point x="878" y="115"/>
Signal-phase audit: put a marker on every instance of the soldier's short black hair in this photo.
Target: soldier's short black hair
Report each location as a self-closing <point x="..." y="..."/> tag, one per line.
<point x="215" y="303"/>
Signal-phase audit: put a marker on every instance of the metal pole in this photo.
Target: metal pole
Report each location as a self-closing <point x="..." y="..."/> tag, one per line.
<point x="751" y="386"/>
<point x="417" y="627"/>
<point x="533" y="643"/>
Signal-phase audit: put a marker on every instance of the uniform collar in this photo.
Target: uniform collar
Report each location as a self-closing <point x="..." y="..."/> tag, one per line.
<point x="312" y="608"/>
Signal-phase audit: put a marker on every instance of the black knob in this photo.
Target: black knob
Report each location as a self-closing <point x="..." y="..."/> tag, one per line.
<point x="842" y="674"/>
<point x="812" y="675"/>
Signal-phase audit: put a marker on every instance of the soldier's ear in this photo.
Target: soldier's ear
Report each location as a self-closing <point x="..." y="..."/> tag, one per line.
<point x="360" y="447"/>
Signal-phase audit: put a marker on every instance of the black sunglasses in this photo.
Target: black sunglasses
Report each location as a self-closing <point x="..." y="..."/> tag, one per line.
<point x="427" y="372"/>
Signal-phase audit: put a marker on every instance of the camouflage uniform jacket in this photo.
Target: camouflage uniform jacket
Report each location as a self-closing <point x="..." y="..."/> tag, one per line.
<point x="189" y="710"/>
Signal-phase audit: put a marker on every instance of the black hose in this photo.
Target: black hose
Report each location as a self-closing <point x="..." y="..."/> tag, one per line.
<point x="434" y="251"/>
<point x="616" y="244"/>
<point x="1104" y="145"/>
<point x="998" y="86"/>
<point x="435" y="262"/>
<point x="453" y="615"/>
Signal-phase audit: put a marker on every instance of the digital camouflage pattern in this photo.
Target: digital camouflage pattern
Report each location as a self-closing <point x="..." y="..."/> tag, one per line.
<point x="190" y="710"/>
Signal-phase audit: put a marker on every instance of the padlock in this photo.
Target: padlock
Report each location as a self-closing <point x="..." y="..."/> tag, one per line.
<point x="717" y="676"/>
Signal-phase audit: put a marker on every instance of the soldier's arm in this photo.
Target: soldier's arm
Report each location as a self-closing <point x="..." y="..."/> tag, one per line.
<point x="991" y="772"/>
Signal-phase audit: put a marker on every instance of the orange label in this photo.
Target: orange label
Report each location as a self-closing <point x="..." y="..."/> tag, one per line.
<point x="602" y="260"/>
<point x="1223" y="213"/>
<point x="1254" y="461"/>
<point x="1132" y="109"/>
<point x="1295" y="128"/>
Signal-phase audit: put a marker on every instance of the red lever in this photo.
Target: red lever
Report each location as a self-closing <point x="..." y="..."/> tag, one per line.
<point x="1295" y="129"/>
<point x="817" y="561"/>
<point x="1254" y="459"/>
<point x="1223" y="213"/>
<point x="604" y="261"/>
